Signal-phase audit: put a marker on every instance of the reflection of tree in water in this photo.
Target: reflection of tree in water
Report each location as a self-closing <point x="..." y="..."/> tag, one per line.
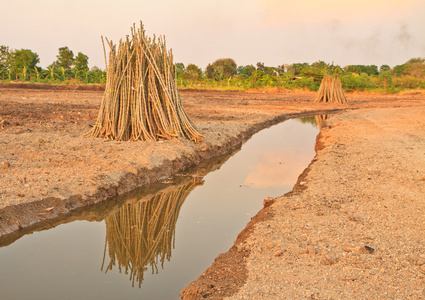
<point x="307" y="120"/>
<point x="142" y="232"/>
<point x="316" y="121"/>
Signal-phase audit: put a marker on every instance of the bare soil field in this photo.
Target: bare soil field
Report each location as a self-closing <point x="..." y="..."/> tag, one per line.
<point x="351" y="228"/>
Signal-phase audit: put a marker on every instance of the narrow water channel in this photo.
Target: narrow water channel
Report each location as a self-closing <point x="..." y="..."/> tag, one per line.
<point x="151" y="243"/>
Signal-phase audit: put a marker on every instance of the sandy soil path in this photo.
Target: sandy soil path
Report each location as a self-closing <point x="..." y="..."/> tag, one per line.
<point x="353" y="227"/>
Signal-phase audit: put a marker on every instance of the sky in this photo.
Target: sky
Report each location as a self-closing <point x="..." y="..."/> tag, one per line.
<point x="273" y="32"/>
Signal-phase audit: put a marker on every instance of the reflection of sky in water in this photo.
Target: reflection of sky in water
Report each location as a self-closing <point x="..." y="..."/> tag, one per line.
<point x="214" y="213"/>
<point x="278" y="161"/>
<point x="65" y="262"/>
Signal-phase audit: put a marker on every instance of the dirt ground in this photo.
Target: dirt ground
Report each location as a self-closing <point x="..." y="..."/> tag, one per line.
<point x="351" y="228"/>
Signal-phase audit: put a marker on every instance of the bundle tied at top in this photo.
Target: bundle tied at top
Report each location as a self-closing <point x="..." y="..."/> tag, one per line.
<point x="141" y="99"/>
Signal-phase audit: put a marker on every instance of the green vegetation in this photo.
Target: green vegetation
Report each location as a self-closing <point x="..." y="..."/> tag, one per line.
<point x="221" y="69"/>
<point x="21" y="65"/>
<point x="410" y="75"/>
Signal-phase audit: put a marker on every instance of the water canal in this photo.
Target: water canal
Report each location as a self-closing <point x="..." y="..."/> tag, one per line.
<point x="152" y="242"/>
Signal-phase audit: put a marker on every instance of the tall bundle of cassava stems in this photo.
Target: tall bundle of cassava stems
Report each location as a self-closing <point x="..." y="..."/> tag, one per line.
<point x="142" y="233"/>
<point x="330" y="90"/>
<point x="141" y="100"/>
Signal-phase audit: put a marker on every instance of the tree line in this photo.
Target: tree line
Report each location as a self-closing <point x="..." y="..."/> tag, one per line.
<point x="224" y="73"/>
<point x="21" y="65"/>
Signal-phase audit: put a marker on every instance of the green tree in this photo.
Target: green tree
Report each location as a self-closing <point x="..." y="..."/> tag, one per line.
<point x="245" y="71"/>
<point x="399" y="70"/>
<point x="359" y="69"/>
<point x="261" y="66"/>
<point x="22" y="62"/>
<point x="384" y="68"/>
<point x="4" y="58"/>
<point x="320" y="65"/>
<point x="415" y="67"/>
<point x="266" y="70"/>
<point x="372" y="70"/>
<point x="220" y="69"/>
<point x="96" y="75"/>
<point x="316" y="70"/>
<point x="282" y="69"/>
<point x="65" y="58"/>
<point x="297" y="68"/>
<point x="179" y="69"/>
<point x="192" y="72"/>
<point x="81" y="62"/>
<point x="384" y="79"/>
<point x="81" y="65"/>
<point x="420" y="60"/>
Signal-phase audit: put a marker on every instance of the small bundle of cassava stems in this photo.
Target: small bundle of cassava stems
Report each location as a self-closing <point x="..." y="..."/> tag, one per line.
<point x="141" y="100"/>
<point x="330" y="91"/>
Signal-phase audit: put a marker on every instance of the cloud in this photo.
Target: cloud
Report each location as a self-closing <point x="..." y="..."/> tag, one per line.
<point x="367" y="44"/>
<point x="313" y="11"/>
<point x="347" y="32"/>
<point x="403" y="36"/>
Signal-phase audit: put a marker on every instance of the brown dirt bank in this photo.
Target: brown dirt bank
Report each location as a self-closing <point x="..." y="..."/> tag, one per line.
<point x="352" y="228"/>
<point x="47" y="168"/>
<point x="101" y="210"/>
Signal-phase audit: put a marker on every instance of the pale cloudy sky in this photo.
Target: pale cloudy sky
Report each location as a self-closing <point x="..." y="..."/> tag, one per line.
<point x="249" y="31"/>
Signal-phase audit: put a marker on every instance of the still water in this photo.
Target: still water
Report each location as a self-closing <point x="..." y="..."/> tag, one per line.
<point x="152" y="242"/>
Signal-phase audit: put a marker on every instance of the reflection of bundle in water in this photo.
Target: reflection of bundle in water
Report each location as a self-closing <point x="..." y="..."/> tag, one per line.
<point x="320" y="119"/>
<point x="142" y="233"/>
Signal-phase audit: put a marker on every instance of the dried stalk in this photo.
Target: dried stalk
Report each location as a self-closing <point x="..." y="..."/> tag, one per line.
<point x="330" y="90"/>
<point x="141" y="100"/>
<point x="142" y="233"/>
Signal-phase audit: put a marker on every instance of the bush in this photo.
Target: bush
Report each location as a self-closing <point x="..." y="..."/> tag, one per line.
<point x="352" y="82"/>
<point x="306" y="83"/>
<point x="408" y="82"/>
